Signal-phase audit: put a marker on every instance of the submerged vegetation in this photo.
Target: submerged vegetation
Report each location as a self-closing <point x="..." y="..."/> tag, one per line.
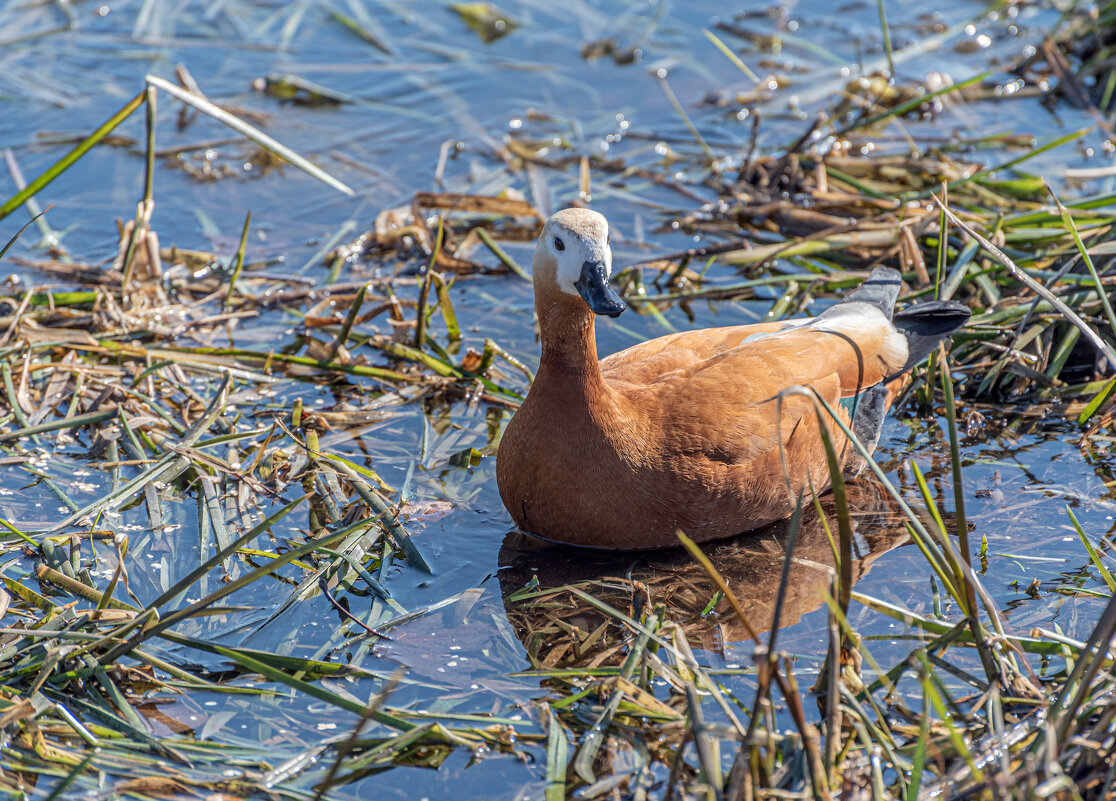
<point x="203" y="589"/>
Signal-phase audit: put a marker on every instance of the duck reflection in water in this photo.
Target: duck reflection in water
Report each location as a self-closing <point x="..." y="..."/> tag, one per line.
<point x="560" y="629"/>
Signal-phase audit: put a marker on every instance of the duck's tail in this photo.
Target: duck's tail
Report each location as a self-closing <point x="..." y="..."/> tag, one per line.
<point x="926" y="324"/>
<point x="881" y="289"/>
<point x="923" y="324"/>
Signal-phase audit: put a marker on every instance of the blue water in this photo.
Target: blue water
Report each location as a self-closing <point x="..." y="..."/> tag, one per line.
<point x="444" y="90"/>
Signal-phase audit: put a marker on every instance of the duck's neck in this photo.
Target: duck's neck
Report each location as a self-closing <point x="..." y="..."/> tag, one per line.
<point x="569" y="345"/>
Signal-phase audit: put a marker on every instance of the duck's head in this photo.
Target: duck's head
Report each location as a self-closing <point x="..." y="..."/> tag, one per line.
<point x="573" y="258"/>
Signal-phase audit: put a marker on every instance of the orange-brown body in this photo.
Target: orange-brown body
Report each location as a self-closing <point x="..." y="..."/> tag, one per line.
<point x="679" y="433"/>
<point x="699" y="431"/>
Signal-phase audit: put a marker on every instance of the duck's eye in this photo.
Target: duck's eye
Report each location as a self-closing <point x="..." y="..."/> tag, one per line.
<point x="608" y="238"/>
<point x="559" y="244"/>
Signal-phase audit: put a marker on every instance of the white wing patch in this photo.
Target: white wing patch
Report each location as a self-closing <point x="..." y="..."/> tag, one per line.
<point x="864" y="319"/>
<point x="789" y="325"/>
<point x="853" y="320"/>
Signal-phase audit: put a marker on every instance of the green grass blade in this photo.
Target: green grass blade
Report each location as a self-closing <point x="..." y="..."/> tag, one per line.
<point x="913" y="103"/>
<point x="184" y="583"/>
<point x="886" y="38"/>
<point x="312" y="690"/>
<point x="19" y="233"/>
<point x="1094" y="557"/>
<point x="719" y="580"/>
<point x="347" y="325"/>
<point x="730" y="55"/>
<point x="1035" y="286"/>
<point x="224" y="590"/>
<point x="238" y="261"/>
<point x="18" y="533"/>
<point x="919" y="759"/>
<point x="1067" y="220"/>
<point x="502" y="254"/>
<point x="64" y="163"/>
<point x="556" y="761"/>
<point x="1097" y="401"/>
<point x="64" y="785"/>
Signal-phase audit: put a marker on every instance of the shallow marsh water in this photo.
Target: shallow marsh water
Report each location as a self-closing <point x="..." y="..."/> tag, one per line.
<point x="444" y="91"/>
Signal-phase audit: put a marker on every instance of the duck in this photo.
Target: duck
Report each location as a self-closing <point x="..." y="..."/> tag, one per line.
<point x="706" y="431"/>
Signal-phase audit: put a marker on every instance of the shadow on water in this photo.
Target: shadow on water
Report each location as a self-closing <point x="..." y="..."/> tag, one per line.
<point x="560" y="628"/>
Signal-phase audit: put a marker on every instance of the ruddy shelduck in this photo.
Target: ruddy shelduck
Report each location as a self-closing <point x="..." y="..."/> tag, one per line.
<point x="701" y="431"/>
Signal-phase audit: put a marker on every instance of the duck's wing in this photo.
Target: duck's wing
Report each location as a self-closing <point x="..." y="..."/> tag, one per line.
<point x="854" y="344"/>
<point x="686" y="350"/>
<point x="854" y="355"/>
<point x="857" y="344"/>
<point x="861" y="346"/>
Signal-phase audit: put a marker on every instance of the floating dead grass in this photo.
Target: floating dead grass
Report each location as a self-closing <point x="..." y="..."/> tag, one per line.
<point x="126" y="363"/>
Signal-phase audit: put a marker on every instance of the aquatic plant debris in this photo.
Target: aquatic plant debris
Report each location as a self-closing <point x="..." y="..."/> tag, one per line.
<point x="249" y="542"/>
<point x="486" y="20"/>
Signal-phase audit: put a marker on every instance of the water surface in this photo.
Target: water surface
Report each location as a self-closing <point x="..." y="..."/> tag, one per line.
<point x="444" y="96"/>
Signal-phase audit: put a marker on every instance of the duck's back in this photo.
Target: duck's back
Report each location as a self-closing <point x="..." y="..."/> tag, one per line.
<point x="647" y="361"/>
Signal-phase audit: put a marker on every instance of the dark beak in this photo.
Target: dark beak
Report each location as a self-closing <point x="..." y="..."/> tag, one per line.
<point x="594" y="289"/>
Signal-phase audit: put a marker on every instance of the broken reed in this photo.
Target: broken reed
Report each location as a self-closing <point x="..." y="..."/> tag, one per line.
<point x="980" y="725"/>
<point x="62" y="702"/>
<point x="352" y="544"/>
<point x="853" y="723"/>
<point x="993" y="740"/>
<point x="829" y="750"/>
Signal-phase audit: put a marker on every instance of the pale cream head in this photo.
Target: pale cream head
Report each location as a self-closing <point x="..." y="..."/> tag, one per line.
<point x="575" y="244"/>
